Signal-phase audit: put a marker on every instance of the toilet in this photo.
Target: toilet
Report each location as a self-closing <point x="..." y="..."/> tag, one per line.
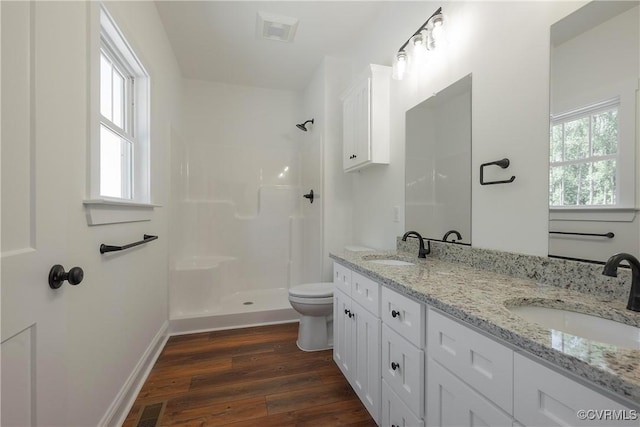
<point x="314" y="303"/>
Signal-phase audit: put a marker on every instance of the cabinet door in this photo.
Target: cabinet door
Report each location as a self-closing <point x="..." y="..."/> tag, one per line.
<point x="403" y="369"/>
<point x="348" y="132"/>
<point x="362" y="119"/>
<point x="450" y="402"/>
<point x="342" y="332"/>
<point x="395" y="413"/>
<point x="365" y="365"/>
<point x="543" y="397"/>
<point x="357" y="125"/>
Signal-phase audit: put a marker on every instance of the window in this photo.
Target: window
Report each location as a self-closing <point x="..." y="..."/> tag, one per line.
<point x="122" y="153"/>
<point x="584" y="157"/>
<point x="117" y="136"/>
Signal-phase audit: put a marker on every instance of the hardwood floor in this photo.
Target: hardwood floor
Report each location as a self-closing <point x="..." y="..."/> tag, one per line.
<point x="248" y="377"/>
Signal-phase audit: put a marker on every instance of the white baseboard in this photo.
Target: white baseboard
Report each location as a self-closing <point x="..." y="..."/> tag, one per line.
<point x="121" y="405"/>
<point x="232" y="321"/>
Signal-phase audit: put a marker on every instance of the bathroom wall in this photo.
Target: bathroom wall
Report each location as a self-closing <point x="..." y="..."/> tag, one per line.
<point x="113" y="319"/>
<point x="505" y="45"/>
<point x="321" y="99"/>
<point x="241" y="177"/>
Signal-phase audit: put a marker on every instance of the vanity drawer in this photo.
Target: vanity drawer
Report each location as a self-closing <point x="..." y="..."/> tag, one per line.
<point x="476" y="359"/>
<point x="365" y="292"/>
<point x="395" y="412"/>
<point x="403" y="315"/>
<point x="342" y="278"/>
<point x="403" y="369"/>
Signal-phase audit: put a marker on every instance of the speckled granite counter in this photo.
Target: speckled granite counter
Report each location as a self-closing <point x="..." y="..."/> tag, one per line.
<point x="481" y="298"/>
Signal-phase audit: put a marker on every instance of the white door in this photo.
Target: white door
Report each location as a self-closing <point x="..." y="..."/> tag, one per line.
<point x="34" y="225"/>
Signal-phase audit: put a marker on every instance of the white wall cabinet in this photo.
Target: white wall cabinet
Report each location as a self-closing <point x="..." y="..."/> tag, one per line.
<point x="366" y="119"/>
<point x="356" y="348"/>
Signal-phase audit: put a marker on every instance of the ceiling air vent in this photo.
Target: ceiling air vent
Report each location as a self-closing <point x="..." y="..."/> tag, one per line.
<point x="276" y="27"/>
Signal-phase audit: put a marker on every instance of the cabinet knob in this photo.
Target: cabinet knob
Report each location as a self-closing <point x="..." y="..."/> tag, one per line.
<point x="395" y="313"/>
<point x="395" y="365"/>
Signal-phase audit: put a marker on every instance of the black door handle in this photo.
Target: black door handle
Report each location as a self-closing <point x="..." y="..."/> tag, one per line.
<point x="309" y="196"/>
<point x="57" y="276"/>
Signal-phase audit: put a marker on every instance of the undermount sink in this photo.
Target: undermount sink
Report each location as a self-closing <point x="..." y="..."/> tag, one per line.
<point x="581" y="325"/>
<point x="394" y="262"/>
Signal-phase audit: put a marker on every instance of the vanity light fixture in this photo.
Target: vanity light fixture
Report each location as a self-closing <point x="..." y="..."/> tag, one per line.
<point x="427" y="37"/>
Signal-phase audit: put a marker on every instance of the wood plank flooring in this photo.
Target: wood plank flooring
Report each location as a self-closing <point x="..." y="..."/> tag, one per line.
<point x="248" y="377"/>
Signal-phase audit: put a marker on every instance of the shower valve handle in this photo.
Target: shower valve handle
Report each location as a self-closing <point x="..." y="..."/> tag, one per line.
<point x="309" y="196"/>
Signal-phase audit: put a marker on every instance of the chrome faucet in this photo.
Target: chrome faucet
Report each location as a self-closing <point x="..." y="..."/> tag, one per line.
<point x="611" y="270"/>
<point x="422" y="252"/>
<point x="450" y="232"/>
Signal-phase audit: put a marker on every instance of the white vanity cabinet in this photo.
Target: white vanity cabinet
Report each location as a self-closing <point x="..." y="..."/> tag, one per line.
<point x="366" y="119"/>
<point x="356" y="340"/>
<point x="403" y="375"/>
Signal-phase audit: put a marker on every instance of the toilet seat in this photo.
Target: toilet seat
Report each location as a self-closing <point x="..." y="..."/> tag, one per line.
<point x="312" y="290"/>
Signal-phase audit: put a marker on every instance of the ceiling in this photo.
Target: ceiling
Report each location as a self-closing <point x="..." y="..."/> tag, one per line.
<point x="216" y="40"/>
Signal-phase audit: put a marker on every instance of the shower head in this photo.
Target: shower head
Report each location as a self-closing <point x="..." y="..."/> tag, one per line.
<point x="303" y="127"/>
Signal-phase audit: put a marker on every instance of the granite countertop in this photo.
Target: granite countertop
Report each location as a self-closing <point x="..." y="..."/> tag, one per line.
<point x="481" y="298"/>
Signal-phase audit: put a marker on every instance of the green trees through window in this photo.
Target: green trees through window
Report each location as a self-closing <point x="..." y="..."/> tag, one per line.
<point x="583" y="158"/>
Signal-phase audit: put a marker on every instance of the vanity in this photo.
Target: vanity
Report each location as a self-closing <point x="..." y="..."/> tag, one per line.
<point x="444" y="344"/>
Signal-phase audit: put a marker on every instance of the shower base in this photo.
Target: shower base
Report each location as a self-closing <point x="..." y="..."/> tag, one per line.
<point x="240" y="309"/>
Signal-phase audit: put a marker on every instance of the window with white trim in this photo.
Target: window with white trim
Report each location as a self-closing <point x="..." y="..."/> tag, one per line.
<point x="584" y="157"/>
<point x="123" y="154"/>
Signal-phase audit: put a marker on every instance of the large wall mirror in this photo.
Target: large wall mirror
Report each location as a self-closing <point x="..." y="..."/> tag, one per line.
<point x="595" y="67"/>
<point x="438" y="165"/>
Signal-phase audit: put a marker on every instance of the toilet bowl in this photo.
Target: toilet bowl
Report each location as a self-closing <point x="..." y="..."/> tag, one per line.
<point x="314" y="303"/>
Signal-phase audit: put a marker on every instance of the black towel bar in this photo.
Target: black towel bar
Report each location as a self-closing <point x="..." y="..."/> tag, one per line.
<point x="109" y="248"/>
<point x="608" y="235"/>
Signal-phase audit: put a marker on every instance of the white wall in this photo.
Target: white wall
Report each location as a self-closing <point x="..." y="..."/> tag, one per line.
<point x="321" y="99"/>
<point x="505" y="45"/>
<point x="114" y="315"/>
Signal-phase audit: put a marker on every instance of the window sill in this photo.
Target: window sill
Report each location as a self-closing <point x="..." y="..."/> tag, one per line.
<point x="592" y="214"/>
<point x="113" y="211"/>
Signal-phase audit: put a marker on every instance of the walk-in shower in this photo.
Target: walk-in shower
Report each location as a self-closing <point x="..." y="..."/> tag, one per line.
<point x="238" y="221"/>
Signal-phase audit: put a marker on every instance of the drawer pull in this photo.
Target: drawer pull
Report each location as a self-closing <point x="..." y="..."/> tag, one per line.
<point x="395" y="313"/>
<point x="395" y="365"/>
<point x="347" y="312"/>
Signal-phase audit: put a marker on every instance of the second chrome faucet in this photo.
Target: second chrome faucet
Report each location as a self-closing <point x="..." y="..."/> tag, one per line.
<point x="422" y="252"/>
